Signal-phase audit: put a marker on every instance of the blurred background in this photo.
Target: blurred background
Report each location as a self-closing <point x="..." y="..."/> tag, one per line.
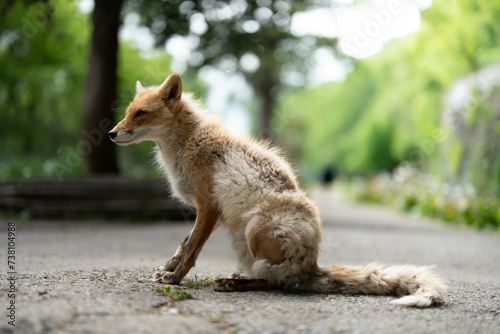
<point x="394" y="102"/>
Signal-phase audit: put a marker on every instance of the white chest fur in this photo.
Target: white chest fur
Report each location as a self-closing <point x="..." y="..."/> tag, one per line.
<point x="180" y="185"/>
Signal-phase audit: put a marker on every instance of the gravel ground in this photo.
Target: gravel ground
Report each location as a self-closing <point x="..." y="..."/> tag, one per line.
<point x="93" y="277"/>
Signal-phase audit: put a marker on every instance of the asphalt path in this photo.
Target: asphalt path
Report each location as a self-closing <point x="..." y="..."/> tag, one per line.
<point x="94" y="277"/>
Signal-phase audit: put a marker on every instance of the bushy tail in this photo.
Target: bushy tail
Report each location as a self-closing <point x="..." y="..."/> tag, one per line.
<point x="420" y="286"/>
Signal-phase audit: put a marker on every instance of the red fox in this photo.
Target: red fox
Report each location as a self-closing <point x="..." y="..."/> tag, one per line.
<point x="245" y="186"/>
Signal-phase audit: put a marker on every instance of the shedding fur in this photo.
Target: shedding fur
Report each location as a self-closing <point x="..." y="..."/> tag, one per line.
<point x="245" y="186"/>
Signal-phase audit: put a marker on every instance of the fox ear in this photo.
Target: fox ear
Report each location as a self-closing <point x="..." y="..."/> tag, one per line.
<point x="140" y="87"/>
<point x="171" y="89"/>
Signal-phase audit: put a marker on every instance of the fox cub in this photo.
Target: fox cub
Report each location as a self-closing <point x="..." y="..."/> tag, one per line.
<point x="248" y="188"/>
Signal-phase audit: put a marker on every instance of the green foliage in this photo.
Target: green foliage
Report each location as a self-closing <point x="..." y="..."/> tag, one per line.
<point x="43" y="67"/>
<point x="10" y="215"/>
<point x="476" y="149"/>
<point x="43" y="50"/>
<point x="413" y="191"/>
<point x="388" y="110"/>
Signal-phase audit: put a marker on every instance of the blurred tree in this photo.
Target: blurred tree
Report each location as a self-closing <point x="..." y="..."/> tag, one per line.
<point x="251" y="37"/>
<point x="389" y="109"/>
<point x="25" y="28"/>
<point x="42" y="51"/>
<point x="100" y="91"/>
<point x="44" y="56"/>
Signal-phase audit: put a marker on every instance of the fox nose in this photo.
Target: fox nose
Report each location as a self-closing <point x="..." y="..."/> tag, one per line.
<point x="112" y="134"/>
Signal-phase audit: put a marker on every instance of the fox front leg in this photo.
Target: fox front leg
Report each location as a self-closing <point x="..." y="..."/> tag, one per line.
<point x="172" y="263"/>
<point x="190" y="248"/>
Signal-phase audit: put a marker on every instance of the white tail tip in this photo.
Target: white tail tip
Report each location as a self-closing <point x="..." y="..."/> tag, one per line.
<point x="413" y="301"/>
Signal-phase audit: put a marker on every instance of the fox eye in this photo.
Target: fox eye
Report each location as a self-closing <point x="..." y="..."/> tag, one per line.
<point x="140" y="113"/>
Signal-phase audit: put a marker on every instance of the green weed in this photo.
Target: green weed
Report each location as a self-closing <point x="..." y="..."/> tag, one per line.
<point x="174" y="295"/>
<point x="200" y="283"/>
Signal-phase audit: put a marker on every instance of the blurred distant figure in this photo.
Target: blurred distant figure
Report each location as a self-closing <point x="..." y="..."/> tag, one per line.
<point x="329" y="175"/>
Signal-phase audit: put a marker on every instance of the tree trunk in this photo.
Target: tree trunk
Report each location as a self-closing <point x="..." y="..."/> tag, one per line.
<point x="263" y="89"/>
<point x="267" y="104"/>
<point x="100" y="92"/>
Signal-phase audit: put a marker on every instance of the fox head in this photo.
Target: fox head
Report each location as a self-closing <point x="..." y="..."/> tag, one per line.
<point x="152" y="109"/>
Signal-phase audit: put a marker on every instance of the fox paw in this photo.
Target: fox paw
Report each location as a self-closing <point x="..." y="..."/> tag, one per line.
<point x="225" y="285"/>
<point x="167" y="277"/>
<point x="160" y="268"/>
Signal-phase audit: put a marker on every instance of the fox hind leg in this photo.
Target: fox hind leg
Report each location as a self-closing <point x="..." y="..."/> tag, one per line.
<point x="262" y="246"/>
<point x="242" y="284"/>
<point x="261" y="242"/>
